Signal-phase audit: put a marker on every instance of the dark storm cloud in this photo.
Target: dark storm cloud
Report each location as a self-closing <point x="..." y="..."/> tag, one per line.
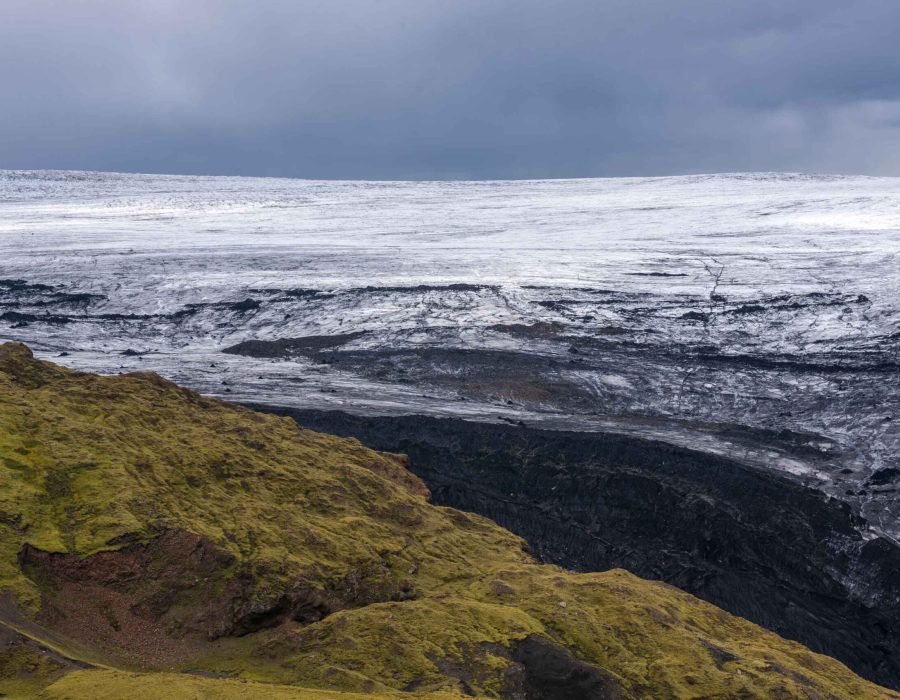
<point x="450" y="88"/>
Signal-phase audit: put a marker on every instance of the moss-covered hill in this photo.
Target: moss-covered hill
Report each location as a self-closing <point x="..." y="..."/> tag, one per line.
<point x="157" y="543"/>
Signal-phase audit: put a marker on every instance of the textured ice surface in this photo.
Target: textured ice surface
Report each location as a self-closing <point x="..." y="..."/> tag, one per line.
<point x="753" y="315"/>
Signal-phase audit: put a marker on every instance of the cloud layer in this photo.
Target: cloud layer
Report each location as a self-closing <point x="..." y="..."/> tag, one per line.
<point x="450" y="89"/>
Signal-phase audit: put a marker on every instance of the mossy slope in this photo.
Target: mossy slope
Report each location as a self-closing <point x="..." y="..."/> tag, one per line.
<point x="171" y="532"/>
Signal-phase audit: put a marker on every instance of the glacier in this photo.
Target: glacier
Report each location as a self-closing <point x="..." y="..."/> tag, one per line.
<point x="755" y="316"/>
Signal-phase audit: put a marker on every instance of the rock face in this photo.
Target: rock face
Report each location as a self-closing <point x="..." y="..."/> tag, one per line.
<point x="759" y="546"/>
<point x="143" y="526"/>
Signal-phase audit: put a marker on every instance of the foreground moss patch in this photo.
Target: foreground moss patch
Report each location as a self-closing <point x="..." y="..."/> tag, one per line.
<point x="116" y="685"/>
<point x="167" y="532"/>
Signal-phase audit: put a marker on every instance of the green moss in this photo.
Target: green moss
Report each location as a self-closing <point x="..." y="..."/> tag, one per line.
<point x="116" y="685"/>
<point x="25" y="669"/>
<point x="401" y="644"/>
<point x="88" y="463"/>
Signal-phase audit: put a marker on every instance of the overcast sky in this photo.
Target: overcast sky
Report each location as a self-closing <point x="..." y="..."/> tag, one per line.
<point x="450" y="88"/>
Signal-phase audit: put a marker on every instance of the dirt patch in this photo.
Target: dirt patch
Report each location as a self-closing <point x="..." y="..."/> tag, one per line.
<point x="885" y="476"/>
<point x="147" y="601"/>
<point x="513" y="389"/>
<point x="547" y="671"/>
<point x="541" y="330"/>
<point x="290" y="347"/>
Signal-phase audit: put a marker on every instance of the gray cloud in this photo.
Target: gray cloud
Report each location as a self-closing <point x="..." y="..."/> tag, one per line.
<point x="461" y="88"/>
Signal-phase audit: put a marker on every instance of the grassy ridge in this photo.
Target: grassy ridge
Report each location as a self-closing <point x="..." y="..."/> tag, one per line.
<point x="319" y="565"/>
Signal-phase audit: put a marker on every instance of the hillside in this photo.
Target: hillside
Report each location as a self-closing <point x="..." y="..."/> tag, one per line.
<point x="153" y="541"/>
